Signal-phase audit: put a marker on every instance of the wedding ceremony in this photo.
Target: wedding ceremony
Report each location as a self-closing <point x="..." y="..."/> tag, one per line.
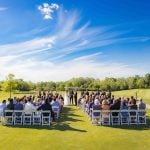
<point x="74" y="75"/>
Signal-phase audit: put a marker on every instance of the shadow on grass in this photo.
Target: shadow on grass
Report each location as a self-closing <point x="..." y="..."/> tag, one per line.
<point x="133" y="127"/>
<point x="63" y="124"/>
<point x="136" y="127"/>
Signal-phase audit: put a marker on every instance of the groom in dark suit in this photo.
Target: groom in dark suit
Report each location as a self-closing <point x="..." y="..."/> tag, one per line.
<point x="71" y="94"/>
<point x="75" y="98"/>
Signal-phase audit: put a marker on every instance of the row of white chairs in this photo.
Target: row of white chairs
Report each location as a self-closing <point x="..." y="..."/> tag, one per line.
<point x="121" y="117"/>
<point x="19" y="117"/>
<point x="130" y="117"/>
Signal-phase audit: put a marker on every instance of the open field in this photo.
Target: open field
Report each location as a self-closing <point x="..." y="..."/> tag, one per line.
<point x="75" y="131"/>
<point x="6" y="95"/>
<point x="141" y="93"/>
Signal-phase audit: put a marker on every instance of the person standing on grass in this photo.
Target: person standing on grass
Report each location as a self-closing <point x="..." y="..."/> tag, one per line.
<point x="75" y="98"/>
<point x="71" y="97"/>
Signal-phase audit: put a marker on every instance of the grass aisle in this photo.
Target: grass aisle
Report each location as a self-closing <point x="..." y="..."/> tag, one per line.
<point x="74" y="131"/>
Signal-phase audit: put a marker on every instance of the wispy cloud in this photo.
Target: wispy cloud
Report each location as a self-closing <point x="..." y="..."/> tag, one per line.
<point x="3" y="8"/>
<point x="32" y="33"/>
<point x="35" y="70"/>
<point x="44" y="58"/>
<point x="48" y="9"/>
<point x="88" y="57"/>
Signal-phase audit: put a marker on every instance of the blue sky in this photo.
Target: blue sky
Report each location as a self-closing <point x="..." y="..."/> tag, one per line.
<point x="43" y="40"/>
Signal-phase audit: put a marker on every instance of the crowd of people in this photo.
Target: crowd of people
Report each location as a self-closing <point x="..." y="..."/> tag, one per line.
<point x="44" y="101"/>
<point x="102" y="100"/>
<point x="99" y="100"/>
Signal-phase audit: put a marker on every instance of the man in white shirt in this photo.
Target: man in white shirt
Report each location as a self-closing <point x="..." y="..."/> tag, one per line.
<point x="29" y="107"/>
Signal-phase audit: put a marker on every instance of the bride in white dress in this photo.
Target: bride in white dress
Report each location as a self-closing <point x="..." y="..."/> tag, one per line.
<point x="67" y="99"/>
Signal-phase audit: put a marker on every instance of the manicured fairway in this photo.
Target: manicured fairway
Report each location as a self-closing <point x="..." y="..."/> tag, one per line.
<point x="74" y="131"/>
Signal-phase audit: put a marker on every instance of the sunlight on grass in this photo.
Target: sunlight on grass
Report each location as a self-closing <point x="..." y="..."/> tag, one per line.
<point x="74" y="131"/>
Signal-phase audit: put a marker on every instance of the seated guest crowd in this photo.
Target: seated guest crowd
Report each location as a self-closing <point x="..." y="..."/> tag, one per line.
<point x="45" y="101"/>
<point x="104" y="101"/>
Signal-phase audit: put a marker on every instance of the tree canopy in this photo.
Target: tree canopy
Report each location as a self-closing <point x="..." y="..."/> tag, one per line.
<point x="82" y="83"/>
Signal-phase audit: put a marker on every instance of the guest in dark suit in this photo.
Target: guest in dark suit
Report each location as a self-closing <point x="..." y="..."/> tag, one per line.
<point x="18" y="106"/>
<point x="47" y="106"/>
<point x="115" y="106"/>
<point x="10" y="106"/>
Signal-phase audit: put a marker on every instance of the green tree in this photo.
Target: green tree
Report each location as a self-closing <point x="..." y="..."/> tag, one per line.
<point x="147" y="80"/>
<point x="9" y="84"/>
<point x="131" y="82"/>
<point x="141" y="83"/>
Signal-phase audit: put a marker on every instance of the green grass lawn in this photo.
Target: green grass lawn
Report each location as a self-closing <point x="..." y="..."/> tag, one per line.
<point x="141" y="93"/>
<point x="6" y="95"/>
<point x="74" y="131"/>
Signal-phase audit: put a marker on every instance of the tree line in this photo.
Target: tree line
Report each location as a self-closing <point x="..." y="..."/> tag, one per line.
<point x="114" y="84"/>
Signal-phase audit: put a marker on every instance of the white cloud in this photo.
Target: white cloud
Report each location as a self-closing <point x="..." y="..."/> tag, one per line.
<point x="47" y="10"/>
<point x="31" y="33"/>
<point x="34" y="70"/>
<point x="3" y="8"/>
<point x="46" y="58"/>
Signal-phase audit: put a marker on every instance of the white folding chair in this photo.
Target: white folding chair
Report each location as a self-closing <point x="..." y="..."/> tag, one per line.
<point x="27" y="119"/>
<point x="56" y="111"/>
<point x="86" y="109"/>
<point x="90" y="114"/>
<point x="115" y="117"/>
<point x="83" y="105"/>
<point x="142" y="116"/>
<point x="46" y="118"/>
<point x="96" y="117"/>
<point x="133" y="119"/>
<point x="105" y="118"/>
<point x="18" y="117"/>
<point x="9" y="117"/>
<point x="36" y="118"/>
<point x="124" y="117"/>
<point x="1" y="116"/>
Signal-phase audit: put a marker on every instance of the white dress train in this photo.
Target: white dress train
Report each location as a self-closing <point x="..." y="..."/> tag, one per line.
<point x="66" y="100"/>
